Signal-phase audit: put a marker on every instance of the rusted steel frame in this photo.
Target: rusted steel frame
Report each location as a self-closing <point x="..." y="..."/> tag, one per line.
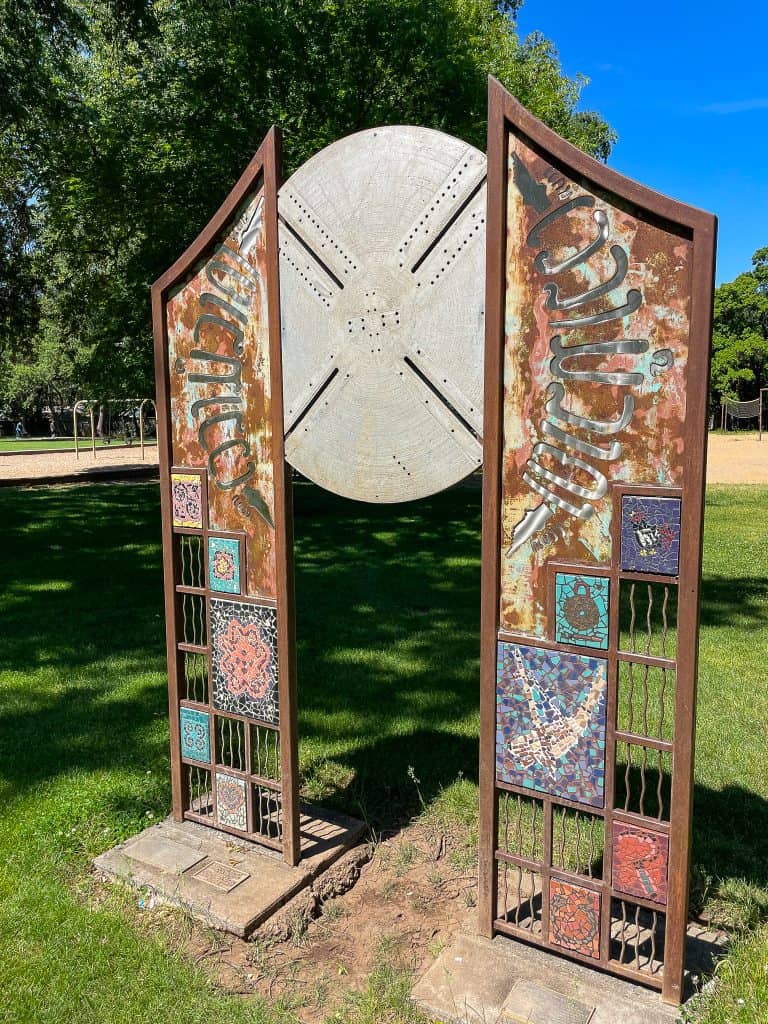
<point x="700" y="229"/>
<point x="286" y="601"/>
<point x="265" y="164"/>
<point x="521" y="934"/>
<point x="491" y="507"/>
<point x="704" y="228"/>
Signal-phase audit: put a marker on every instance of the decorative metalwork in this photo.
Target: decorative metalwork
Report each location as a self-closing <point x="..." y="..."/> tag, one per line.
<point x="551" y="722"/>
<point x="581" y="610"/>
<point x="226" y="522"/>
<point x="650" y="535"/>
<point x="382" y="252"/>
<point x="191" y="560"/>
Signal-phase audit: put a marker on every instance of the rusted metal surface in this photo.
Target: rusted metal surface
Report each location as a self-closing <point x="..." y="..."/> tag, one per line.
<point x="226" y="510"/>
<point x="218" y="353"/>
<point x="599" y="300"/>
<point x="590" y="416"/>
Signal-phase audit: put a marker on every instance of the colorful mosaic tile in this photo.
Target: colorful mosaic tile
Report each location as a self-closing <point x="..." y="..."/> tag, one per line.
<point x="581" y="610"/>
<point x="195" y="735"/>
<point x="244" y="659"/>
<point x="231" y="801"/>
<point x="224" y="565"/>
<point x="650" y="535"/>
<point x="640" y="859"/>
<point x="550" y="722"/>
<point x="187" y="500"/>
<point x="574" y="918"/>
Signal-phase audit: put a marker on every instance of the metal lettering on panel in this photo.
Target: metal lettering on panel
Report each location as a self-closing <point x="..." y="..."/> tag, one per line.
<point x="227" y="522"/>
<point x="597" y="351"/>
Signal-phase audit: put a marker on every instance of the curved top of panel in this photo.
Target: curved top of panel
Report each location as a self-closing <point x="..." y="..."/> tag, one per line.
<point x="577" y="162"/>
<point x="265" y="161"/>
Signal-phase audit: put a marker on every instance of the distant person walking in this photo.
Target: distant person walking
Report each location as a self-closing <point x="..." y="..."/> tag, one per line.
<point x="19" y="430"/>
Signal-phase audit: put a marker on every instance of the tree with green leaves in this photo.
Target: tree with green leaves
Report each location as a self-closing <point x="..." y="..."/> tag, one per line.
<point x="131" y="120"/>
<point x="740" y="335"/>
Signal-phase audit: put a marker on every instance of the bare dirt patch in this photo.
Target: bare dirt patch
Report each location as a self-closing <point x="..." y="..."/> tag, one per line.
<point x="418" y="889"/>
<point x="737" y="459"/>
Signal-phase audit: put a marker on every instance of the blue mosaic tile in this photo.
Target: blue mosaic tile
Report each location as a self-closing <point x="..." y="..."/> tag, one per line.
<point x="581" y="610"/>
<point x="650" y="535"/>
<point x="195" y="735"/>
<point x="550" y="722"/>
<point x="224" y="565"/>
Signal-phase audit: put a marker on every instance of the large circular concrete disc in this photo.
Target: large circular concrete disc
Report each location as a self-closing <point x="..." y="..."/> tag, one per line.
<point x="382" y="280"/>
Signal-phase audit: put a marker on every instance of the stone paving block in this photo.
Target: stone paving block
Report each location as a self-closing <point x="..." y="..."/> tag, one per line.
<point x="227" y="882"/>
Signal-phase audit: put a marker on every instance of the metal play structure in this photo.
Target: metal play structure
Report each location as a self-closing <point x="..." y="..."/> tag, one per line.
<point x="397" y="314"/>
<point x="89" y="405"/>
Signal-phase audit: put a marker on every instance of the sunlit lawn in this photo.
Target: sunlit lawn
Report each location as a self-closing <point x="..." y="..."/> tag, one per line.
<point x="388" y="619"/>
<point x="29" y="444"/>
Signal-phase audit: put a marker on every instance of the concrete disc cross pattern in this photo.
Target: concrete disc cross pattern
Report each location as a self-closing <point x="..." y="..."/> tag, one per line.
<point x="382" y="280"/>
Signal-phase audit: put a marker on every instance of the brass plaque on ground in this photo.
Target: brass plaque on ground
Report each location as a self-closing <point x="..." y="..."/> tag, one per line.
<point x="531" y="1004"/>
<point x="220" y="876"/>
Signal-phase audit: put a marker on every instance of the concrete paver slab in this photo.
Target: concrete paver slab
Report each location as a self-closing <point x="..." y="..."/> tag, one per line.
<point x="229" y="883"/>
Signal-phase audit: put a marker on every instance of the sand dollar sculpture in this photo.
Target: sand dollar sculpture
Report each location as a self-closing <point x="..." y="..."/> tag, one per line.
<point x="382" y="260"/>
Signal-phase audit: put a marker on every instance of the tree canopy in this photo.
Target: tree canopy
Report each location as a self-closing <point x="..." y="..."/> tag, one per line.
<point x="740" y="334"/>
<point x="124" y="123"/>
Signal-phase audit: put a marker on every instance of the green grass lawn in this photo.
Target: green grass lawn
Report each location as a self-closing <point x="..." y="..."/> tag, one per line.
<point x="388" y="616"/>
<point x="29" y="444"/>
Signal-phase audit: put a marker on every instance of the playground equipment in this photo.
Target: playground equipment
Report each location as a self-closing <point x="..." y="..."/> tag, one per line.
<point x="127" y="403"/>
<point x="743" y="412"/>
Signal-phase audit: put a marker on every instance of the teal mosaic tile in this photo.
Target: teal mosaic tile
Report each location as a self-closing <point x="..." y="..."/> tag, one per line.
<point x="581" y="610"/>
<point x="195" y="735"/>
<point x="224" y="565"/>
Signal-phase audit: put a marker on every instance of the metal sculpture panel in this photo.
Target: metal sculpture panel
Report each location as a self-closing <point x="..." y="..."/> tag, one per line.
<point x="226" y="520"/>
<point x="597" y="346"/>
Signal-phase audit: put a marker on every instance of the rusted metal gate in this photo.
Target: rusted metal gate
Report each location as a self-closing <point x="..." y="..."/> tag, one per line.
<point x="226" y="511"/>
<point x="597" y="352"/>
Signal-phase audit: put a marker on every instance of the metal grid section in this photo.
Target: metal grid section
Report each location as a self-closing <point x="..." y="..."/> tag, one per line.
<point x="227" y="535"/>
<point x="599" y="297"/>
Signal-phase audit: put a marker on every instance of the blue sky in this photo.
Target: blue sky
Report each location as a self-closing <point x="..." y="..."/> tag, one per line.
<point x="685" y="85"/>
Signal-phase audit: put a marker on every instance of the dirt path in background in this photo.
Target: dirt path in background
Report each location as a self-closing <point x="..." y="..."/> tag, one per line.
<point x="732" y="459"/>
<point x="737" y="459"/>
<point x="50" y="466"/>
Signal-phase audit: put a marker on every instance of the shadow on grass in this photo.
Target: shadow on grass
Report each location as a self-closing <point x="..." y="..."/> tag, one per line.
<point x="728" y="601"/>
<point x="388" y="621"/>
